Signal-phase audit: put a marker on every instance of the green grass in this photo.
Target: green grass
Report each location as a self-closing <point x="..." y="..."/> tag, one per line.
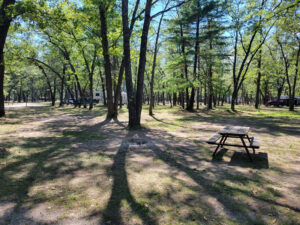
<point x="82" y="135"/>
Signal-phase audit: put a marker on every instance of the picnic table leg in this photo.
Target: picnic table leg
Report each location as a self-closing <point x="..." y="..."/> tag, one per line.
<point x="221" y="143"/>
<point x="225" y="138"/>
<point x="250" y="143"/>
<point x="245" y="146"/>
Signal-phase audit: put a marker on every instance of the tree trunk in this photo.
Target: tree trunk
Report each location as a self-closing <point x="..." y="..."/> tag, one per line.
<point x="127" y="61"/>
<point x="91" y="84"/>
<point x="153" y="66"/>
<point x="292" y="98"/>
<point x="53" y="97"/>
<point x="103" y="88"/>
<point x="118" y="95"/>
<point x="61" y="97"/>
<point x="107" y="65"/>
<point x="210" y="88"/>
<point x="258" y="79"/>
<point x="142" y="62"/>
<point x="190" y="106"/>
<point x="174" y="99"/>
<point x="5" y="21"/>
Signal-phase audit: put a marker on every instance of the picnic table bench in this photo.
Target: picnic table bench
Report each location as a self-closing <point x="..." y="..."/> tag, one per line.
<point x="239" y="132"/>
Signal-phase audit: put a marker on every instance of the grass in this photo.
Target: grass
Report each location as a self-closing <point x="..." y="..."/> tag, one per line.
<point x="63" y="164"/>
<point x="81" y="135"/>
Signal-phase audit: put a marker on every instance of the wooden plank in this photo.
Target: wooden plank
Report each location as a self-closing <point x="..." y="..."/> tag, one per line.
<point x="235" y="130"/>
<point x="254" y="142"/>
<point x="213" y="139"/>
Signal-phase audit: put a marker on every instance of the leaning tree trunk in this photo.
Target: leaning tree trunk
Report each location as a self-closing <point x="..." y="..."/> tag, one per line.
<point x="258" y="79"/>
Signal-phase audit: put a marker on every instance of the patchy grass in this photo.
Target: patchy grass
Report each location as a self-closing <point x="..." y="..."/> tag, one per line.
<point x="81" y="135"/>
<point x="71" y="166"/>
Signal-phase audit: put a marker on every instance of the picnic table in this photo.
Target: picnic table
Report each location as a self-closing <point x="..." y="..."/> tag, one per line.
<point x="238" y="132"/>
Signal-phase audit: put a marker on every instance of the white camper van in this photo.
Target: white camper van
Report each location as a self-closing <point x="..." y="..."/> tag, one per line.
<point x="98" y="95"/>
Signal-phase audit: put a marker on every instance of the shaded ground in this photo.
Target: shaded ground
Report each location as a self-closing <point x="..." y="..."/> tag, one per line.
<point x="71" y="166"/>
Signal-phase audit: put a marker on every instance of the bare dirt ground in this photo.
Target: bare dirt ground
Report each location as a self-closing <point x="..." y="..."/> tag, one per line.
<point x="72" y="166"/>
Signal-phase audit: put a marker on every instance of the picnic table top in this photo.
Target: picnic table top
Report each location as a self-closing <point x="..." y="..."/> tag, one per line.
<point x="234" y="130"/>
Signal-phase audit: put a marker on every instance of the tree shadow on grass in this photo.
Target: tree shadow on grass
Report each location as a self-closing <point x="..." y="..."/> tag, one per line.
<point x="42" y="159"/>
<point x="121" y="190"/>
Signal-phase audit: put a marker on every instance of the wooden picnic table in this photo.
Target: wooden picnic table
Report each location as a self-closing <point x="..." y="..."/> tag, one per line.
<point x="234" y="132"/>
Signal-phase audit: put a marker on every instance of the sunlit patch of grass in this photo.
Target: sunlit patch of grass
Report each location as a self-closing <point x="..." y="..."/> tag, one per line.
<point x="71" y="199"/>
<point x="271" y="114"/>
<point x="5" y="128"/>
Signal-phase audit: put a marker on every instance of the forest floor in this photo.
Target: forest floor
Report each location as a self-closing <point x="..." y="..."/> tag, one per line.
<point x="73" y="166"/>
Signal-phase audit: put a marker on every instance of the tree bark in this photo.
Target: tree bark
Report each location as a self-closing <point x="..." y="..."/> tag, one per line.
<point x="103" y="87"/>
<point x="5" y="21"/>
<point x="258" y="79"/>
<point x="154" y="65"/>
<point x="142" y="63"/>
<point x="192" y="98"/>
<point x="62" y="87"/>
<point x="210" y="85"/>
<point x="107" y="67"/>
<point x="127" y="61"/>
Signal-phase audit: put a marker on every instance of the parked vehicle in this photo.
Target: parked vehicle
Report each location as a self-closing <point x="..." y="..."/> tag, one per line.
<point x="87" y="101"/>
<point x="70" y="101"/>
<point x="283" y="101"/>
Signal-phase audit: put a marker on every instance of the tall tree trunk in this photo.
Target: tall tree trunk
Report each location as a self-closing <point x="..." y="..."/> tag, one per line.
<point x="20" y="91"/>
<point x="118" y="95"/>
<point x="210" y="85"/>
<point x="174" y="99"/>
<point x="52" y="92"/>
<point x="154" y="65"/>
<point x="127" y="61"/>
<point x="62" y="87"/>
<point x="107" y="67"/>
<point x="91" y="84"/>
<point x="295" y="76"/>
<point x="5" y="21"/>
<point x="103" y="87"/>
<point x="258" y="78"/>
<point x="53" y="97"/>
<point x="142" y="63"/>
<point x="185" y="64"/>
<point x="190" y="106"/>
